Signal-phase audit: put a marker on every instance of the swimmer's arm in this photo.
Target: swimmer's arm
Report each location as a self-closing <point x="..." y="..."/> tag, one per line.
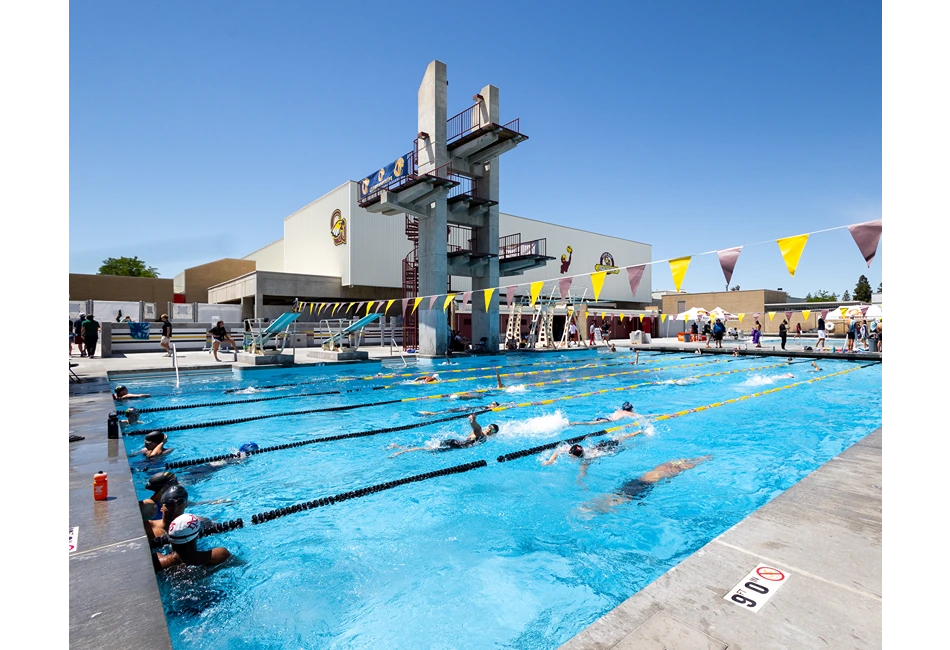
<point x="552" y="458"/>
<point x="583" y="471"/>
<point x="476" y="427"/>
<point x="498" y="377"/>
<point x="628" y="435"/>
<point x="158" y="451"/>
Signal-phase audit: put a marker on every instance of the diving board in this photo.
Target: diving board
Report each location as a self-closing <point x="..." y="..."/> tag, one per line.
<point x="281" y="325"/>
<point x="331" y="343"/>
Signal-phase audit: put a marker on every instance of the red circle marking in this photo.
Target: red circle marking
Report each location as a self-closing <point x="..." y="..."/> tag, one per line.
<point x="768" y="573"/>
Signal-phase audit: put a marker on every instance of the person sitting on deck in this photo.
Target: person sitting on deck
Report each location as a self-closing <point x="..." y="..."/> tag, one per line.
<point x="625" y="411"/>
<point x="475" y="437"/>
<point x="183" y="534"/>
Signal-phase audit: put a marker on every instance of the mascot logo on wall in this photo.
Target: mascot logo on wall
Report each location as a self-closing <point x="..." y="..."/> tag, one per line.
<point x="566" y="260"/>
<point x="607" y="264"/>
<point x="338" y="228"/>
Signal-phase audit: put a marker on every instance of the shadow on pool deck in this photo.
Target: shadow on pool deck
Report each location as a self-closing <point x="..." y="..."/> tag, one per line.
<point x="832" y="599"/>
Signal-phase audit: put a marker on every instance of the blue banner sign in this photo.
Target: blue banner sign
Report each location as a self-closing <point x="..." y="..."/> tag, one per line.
<point x="394" y="170"/>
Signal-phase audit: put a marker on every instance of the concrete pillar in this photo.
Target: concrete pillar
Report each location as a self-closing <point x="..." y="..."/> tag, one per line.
<point x="487" y="324"/>
<point x="433" y="260"/>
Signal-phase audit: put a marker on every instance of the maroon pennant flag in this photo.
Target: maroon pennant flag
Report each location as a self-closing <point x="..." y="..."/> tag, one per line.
<point x="824" y="314"/>
<point x="727" y="260"/>
<point x="465" y="298"/>
<point x="432" y="302"/>
<point x="563" y="286"/>
<point x="634" y="275"/>
<point x="864" y="311"/>
<point x="359" y="308"/>
<point x="788" y="315"/>
<point x="405" y="304"/>
<point x="379" y="306"/>
<point x="510" y="293"/>
<point x="867" y="235"/>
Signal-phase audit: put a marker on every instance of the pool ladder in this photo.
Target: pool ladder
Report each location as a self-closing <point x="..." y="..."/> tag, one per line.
<point x="392" y="342"/>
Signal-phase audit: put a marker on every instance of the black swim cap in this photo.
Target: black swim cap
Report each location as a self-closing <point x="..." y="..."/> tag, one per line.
<point x="175" y="495"/>
<point x="626" y="406"/>
<point x="576" y="450"/>
<point x="493" y="428"/>
<point x="159" y="480"/>
<point x="120" y="388"/>
<point x="155" y="436"/>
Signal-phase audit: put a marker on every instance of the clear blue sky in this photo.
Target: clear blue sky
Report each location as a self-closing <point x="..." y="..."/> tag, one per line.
<point x="195" y="128"/>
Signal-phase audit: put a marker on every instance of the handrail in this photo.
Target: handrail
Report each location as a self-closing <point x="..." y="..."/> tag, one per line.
<point x="392" y="342"/>
<point x="175" y="362"/>
<point x="455" y="126"/>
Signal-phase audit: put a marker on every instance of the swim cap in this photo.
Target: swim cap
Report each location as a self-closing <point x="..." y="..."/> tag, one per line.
<point x="133" y="415"/>
<point x="175" y="495"/>
<point x="159" y="480"/>
<point x="120" y="388"/>
<point x="248" y="447"/>
<point x="184" y="529"/>
<point x="576" y="450"/>
<point x="626" y="406"/>
<point x="493" y="428"/>
<point x="156" y="437"/>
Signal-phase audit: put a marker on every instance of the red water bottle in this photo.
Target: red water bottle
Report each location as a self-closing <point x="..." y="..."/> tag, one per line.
<point x="100" y="486"/>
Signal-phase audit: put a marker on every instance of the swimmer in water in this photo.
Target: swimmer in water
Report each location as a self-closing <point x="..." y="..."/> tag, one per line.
<point x="625" y="411"/>
<point x="638" y="488"/>
<point x="173" y="506"/>
<point x="477" y="436"/>
<point x="183" y="534"/>
<point x="427" y="379"/>
<point x="158" y="483"/>
<point x="155" y="444"/>
<point x="587" y="456"/>
<point x="131" y="416"/>
<point x="121" y="393"/>
<point x="817" y="369"/>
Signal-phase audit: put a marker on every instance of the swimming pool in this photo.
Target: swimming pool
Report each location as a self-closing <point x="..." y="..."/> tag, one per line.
<point x="512" y="554"/>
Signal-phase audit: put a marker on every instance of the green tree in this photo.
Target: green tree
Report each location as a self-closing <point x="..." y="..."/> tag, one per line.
<point x="131" y="266"/>
<point x="862" y="291"/>
<point x="735" y="288"/>
<point x="846" y="295"/>
<point x="821" y="296"/>
<point x="880" y="286"/>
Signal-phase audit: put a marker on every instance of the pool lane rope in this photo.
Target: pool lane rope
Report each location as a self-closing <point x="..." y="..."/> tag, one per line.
<point x="179" y="407"/>
<point x="270" y="515"/>
<point x="415" y="425"/>
<point x="350" y="407"/>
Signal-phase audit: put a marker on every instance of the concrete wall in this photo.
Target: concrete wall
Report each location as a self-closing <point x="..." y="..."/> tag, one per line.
<point x="269" y="258"/>
<point x="120" y="288"/>
<point x="308" y="244"/>
<point x="199" y="278"/>
<point x="379" y="245"/>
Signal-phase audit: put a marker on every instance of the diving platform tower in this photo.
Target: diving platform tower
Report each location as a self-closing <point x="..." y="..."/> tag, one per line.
<point x="448" y="188"/>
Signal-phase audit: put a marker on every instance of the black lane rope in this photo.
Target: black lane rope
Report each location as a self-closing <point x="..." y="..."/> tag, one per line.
<point x="210" y="529"/>
<point x="270" y="515"/>
<point x="313" y="441"/>
<point x="551" y="445"/>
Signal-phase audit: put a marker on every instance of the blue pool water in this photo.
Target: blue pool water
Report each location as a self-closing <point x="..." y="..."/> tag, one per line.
<point x="514" y="554"/>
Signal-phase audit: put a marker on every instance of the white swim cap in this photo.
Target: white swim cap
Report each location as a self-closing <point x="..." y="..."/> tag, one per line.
<point x="184" y="529"/>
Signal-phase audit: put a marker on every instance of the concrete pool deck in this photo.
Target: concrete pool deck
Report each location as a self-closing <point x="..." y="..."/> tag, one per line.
<point x="832" y="599"/>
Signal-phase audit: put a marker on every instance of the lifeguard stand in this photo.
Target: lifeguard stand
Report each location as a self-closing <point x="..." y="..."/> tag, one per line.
<point x="447" y="185"/>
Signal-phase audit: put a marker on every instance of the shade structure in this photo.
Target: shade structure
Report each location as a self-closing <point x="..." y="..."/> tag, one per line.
<point x="874" y="311"/>
<point x="722" y="314"/>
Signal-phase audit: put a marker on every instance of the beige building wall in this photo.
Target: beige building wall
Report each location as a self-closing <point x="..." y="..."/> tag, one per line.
<point x="199" y="278"/>
<point x="121" y="288"/>
<point x="309" y="246"/>
<point x="742" y="302"/>
<point x="269" y="258"/>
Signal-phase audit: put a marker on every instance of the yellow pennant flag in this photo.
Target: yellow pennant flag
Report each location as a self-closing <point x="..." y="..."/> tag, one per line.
<point x="449" y="298"/>
<point x="488" y="295"/>
<point x="311" y="307"/>
<point x="536" y="289"/>
<point x="369" y="306"/>
<point x="771" y="315"/>
<point x="388" y="305"/>
<point x="603" y="314"/>
<point x="741" y="316"/>
<point x="792" y="248"/>
<point x="843" y="310"/>
<point x="806" y="313"/>
<point x="662" y="318"/>
<point x="415" y="304"/>
<point x="597" y="279"/>
<point x="678" y="269"/>
<point x="336" y="306"/>
<point x="621" y="318"/>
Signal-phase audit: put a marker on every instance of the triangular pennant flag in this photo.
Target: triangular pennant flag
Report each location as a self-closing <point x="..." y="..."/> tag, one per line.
<point x="432" y="300"/>
<point x="806" y="313"/>
<point x="388" y="305"/>
<point x="336" y="306"/>
<point x="788" y="315"/>
<point x="449" y="298"/>
<point x="597" y="279"/>
<point x="510" y="294"/>
<point x="727" y="260"/>
<point x="359" y="307"/>
<point x="488" y="295"/>
<point x="603" y="314"/>
<point x="771" y="315"/>
<point x="791" y="248"/>
<point x="634" y="275"/>
<point x="311" y="308"/>
<point x="662" y="318"/>
<point x="405" y="305"/>
<point x="379" y="306"/>
<point x="349" y="307"/>
<point x="415" y="304"/>
<point x="867" y="235"/>
<point x="864" y="311"/>
<point x="621" y="317"/>
<point x="843" y="310"/>
<point x="465" y="298"/>
<point x="535" y="290"/>
<point x="369" y="306"/>
<point x="685" y="317"/>
<point x="678" y="269"/>
<point x="741" y="316"/>
<point x="564" y="287"/>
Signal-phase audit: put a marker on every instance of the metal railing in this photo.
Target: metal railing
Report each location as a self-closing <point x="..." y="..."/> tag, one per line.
<point x="466" y="186"/>
<point x="461" y="238"/>
<point x="462" y="124"/>
<point x="513" y="125"/>
<point x="511" y="246"/>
